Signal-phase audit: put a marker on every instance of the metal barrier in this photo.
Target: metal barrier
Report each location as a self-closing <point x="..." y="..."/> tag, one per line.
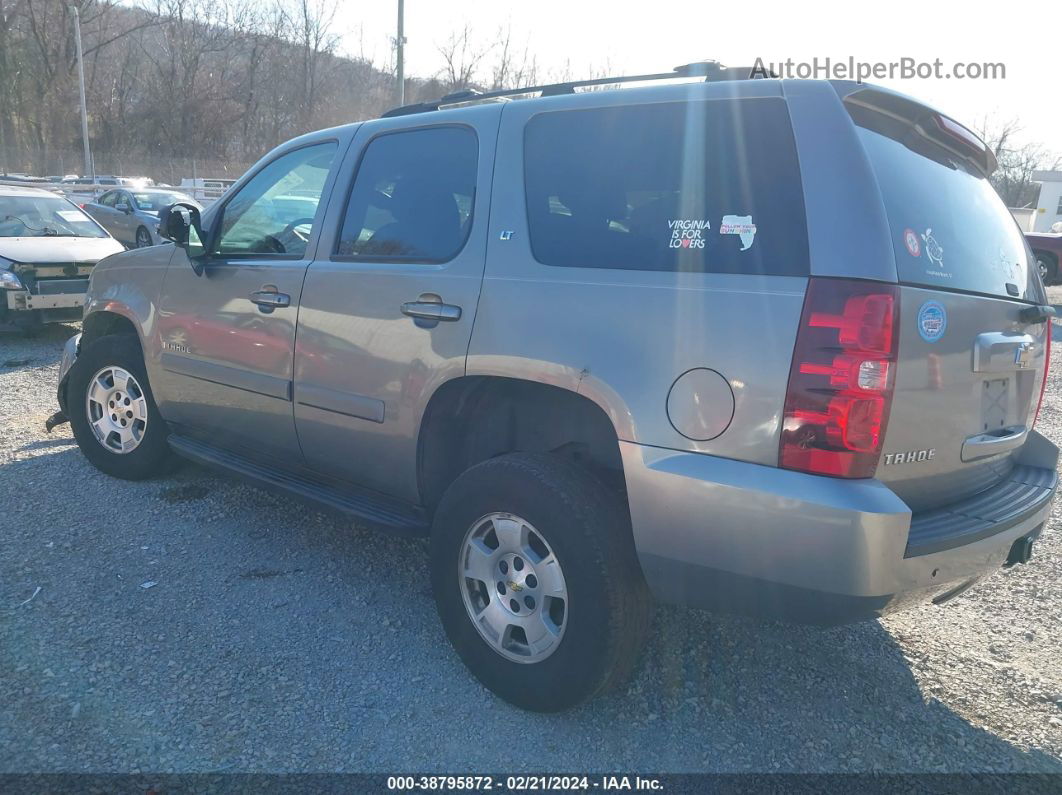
<point x="204" y="194"/>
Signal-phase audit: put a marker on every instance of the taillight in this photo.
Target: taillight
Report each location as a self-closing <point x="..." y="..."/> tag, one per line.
<point x="841" y="379"/>
<point x="1047" y="370"/>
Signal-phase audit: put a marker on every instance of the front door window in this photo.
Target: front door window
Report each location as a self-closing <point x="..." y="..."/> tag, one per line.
<point x="273" y="214"/>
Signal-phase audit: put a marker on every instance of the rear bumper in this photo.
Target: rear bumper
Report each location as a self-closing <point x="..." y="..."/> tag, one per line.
<point x="739" y="537"/>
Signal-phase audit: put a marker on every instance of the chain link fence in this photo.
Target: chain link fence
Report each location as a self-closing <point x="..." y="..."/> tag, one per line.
<point x="163" y="170"/>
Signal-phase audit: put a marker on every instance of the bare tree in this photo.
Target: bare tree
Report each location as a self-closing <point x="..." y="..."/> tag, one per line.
<point x="513" y="67"/>
<point x="1017" y="160"/>
<point x="220" y="81"/>
<point x="462" y="57"/>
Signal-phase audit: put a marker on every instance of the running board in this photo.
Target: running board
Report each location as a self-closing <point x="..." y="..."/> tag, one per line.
<point x="364" y="506"/>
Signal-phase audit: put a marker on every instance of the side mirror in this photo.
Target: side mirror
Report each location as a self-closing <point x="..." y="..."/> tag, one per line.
<point x="181" y="223"/>
<point x="174" y="224"/>
<point x="122" y="207"/>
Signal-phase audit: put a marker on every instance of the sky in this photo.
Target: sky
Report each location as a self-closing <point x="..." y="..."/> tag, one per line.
<point x="656" y="35"/>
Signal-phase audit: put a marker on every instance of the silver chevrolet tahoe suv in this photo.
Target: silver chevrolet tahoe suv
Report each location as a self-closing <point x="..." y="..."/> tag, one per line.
<point x="765" y="346"/>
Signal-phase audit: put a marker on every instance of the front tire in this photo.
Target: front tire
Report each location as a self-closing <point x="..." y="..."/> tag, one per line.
<point x="143" y="237"/>
<point x="112" y="412"/>
<point x="537" y="581"/>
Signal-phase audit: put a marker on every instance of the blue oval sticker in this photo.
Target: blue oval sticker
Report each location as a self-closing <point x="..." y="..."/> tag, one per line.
<point x="932" y="321"/>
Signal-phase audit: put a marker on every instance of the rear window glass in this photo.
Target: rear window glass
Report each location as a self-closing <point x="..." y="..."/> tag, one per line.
<point x="950" y="229"/>
<point x="698" y="187"/>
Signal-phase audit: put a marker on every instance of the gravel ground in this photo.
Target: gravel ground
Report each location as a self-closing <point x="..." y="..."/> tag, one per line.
<point x="274" y="639"/>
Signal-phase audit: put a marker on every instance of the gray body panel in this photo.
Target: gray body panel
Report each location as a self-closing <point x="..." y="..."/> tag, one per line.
<point x="364" y="372"/>
<point x="224" y="365"/>
<point x="628" y="335"/>
<point x="944" y="397"/>
<point x="848" y="231"/>
<point x="337" y="384"/>
<point x="740" y="537"/>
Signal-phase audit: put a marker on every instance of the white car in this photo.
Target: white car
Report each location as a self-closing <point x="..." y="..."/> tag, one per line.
<point x="48" y="247"/>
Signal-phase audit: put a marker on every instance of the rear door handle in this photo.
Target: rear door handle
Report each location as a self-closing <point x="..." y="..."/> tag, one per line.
<point x="268" y="300"/>
<point x="1003" y="440"/>
<point x="431" y="311"/>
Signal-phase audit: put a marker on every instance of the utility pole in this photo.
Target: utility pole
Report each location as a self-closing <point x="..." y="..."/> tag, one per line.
<point x="89" y="170"/>
<point x="399" y="57"/>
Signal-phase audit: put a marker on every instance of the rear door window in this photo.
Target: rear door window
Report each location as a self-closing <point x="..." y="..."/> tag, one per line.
<point x="413" y="195"/>
<point x="700" y="187"/>
<point x="950" y="229"/>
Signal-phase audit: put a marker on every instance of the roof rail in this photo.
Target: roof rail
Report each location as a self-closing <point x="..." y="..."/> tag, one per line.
<point x="709" y="70"/>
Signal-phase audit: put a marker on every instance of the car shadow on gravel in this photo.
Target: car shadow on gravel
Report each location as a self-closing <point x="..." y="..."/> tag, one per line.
<point x="47" y="444"/>
<point x="193" y="623"/>
<point x="773" y="696"/>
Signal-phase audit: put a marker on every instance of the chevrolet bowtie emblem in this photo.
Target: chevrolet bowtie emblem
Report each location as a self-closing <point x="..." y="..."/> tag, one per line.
<point x="1023" y="356"/>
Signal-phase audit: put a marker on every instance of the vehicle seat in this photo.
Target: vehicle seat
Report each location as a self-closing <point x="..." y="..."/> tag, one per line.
<point x="427" y="222"/>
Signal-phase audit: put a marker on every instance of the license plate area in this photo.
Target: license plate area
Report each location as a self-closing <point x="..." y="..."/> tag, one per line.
<point x="995" y="398"/>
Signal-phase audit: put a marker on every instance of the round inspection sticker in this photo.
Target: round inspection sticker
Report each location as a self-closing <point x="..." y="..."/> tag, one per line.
<point x="932" y="321"/>
<point x="910" y="239"/>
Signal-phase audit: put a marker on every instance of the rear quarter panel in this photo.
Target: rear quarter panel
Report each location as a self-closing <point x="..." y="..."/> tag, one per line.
<point x="622" y="338"/>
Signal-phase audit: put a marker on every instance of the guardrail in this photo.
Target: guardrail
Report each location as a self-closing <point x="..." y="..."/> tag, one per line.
<point x="85" y="193"/>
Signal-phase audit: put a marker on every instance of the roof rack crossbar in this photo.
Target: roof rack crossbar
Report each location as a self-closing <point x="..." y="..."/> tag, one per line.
<point x="705" y="69"/>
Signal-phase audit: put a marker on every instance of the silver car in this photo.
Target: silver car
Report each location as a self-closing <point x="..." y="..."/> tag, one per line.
<point x="131" y="214"/>
<point x="765" y="346"/>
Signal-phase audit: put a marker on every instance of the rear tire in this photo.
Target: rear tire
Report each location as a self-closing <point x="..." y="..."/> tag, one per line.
<point x="149" y="454"/>
<point x="1048" y="266"/>
<point x="570" y="522"/>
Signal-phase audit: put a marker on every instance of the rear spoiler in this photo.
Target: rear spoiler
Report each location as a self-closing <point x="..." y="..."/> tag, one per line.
<point x="917" y="126"/>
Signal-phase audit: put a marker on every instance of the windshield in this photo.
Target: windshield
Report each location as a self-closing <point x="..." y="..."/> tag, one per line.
<point x="154" y="201"/>
<point x="44" y="216"/>
<point x="950" y="228"/>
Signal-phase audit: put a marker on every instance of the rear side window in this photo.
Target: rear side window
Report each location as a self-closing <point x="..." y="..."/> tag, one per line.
<point x="950" y="229"/>
<point x="698" y="187"/>
<point x="412" y="197"/>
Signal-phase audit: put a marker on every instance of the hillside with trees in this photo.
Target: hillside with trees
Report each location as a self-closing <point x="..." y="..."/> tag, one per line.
<point x="217" y="81"/>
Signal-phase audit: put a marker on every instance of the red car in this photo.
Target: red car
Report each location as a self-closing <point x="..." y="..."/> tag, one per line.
<point x="1048" y="250"/>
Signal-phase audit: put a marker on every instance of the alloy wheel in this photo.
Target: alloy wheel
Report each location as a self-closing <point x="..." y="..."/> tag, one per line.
<point x="513" y="587"/>
<point x="117" y="410"/>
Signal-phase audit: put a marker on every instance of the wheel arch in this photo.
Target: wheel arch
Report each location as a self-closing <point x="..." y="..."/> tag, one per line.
<point x="105" y="322"/>
<point x="477" y="417"/>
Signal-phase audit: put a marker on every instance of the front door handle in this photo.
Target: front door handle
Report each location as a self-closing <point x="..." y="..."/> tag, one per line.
<point x="427" y="314"/>
<point x="268" y="300"/>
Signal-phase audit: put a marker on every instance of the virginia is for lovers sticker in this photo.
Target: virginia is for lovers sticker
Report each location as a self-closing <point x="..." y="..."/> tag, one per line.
<point x="687" y="232"/>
